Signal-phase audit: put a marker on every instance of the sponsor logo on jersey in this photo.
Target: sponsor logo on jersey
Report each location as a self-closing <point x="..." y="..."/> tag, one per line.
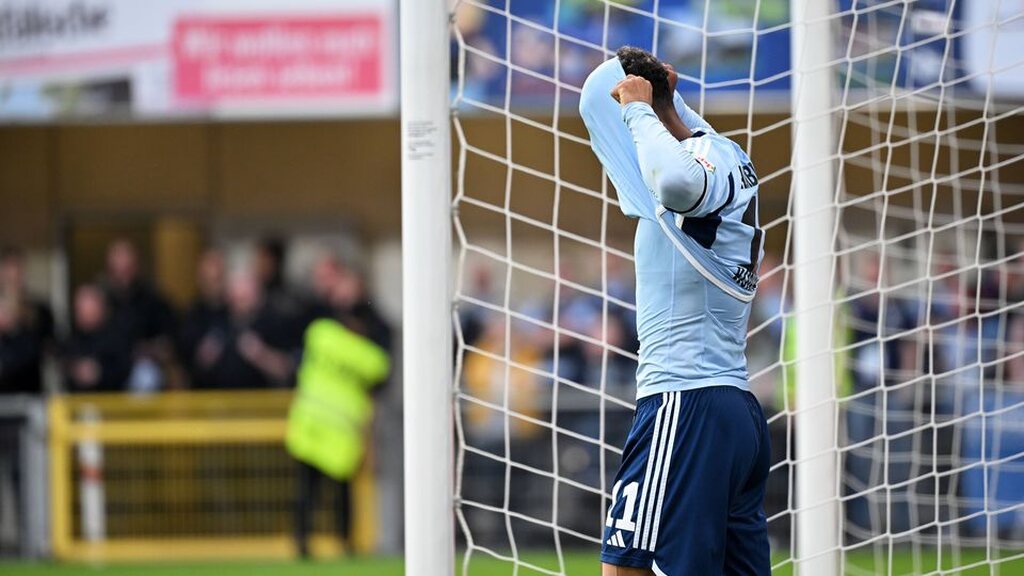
<point x="745" y="278"/>
<point x="699" y="149"/>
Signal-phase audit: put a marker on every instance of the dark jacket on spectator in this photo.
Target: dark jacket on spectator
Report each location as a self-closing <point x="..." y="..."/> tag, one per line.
<point x="20" y="352"/>
<point x="108" y="348"/>
<point x="203" y="318"/>
<point x="369" y="322"/>
<point x="231" y="369"/>
<point x="22" y="348"/>
<point x="140" y="312"/>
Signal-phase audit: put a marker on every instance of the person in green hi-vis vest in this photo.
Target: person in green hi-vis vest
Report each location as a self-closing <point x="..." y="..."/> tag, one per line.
<point x="786" y="394"/>
<point x="332" y="410"/>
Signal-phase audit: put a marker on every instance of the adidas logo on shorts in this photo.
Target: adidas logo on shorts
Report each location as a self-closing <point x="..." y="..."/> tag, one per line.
<point x="616" y="540"/>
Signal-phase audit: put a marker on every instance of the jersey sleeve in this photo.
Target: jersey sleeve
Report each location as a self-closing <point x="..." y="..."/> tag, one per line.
<point x="683" y="176"/>
<point x="714" y="154"/>
<point x="612" y="142"/>
<point x="679" y="182"/>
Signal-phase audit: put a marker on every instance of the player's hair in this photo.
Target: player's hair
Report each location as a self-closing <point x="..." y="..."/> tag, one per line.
<point x="640" y="62"/>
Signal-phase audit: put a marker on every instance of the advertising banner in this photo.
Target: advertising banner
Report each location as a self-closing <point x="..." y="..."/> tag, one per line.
<point x="187" y="58"/>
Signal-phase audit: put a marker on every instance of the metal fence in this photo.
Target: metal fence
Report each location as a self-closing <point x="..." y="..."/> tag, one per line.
<point x="184" y="474"/>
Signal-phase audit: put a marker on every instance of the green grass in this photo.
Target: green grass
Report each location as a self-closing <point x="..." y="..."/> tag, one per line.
<point x="351" y="567"/>
<point x="480" y="565"/>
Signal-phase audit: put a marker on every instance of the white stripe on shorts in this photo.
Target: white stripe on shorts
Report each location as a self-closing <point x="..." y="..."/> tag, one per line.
<point x="664" y="475"/>
<point x="647" y="474"/>
<point x="664" y="442"/>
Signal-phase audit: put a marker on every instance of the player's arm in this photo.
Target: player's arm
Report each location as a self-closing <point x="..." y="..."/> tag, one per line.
<point x="677" y="179"/>
<point x="611" y="141"/>
<point x="679" y="174"/>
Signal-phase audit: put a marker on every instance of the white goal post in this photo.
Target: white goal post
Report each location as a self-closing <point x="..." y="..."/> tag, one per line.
<point x="426" y="288"/>
<point x="889" y="323"/>
<point x="813" y="196"/>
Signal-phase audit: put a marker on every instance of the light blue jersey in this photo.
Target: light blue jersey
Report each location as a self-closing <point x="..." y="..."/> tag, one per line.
<point x="696" y="264"/>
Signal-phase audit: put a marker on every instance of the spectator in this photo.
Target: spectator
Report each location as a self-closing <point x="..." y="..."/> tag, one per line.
<point x="239" y="352"/>
<point x="326" y="271"/>
<point x="990" y="442"/>
<point x="955" y="336"/>
<point x="606" y="371"/>
<point x="270" y="261"/>
<point x="472" y="318"/>
<point x="1015" y="274"/>
<point x="36" y="313"/>
<point x="533" y="50"/>
<point x="270" y="254"/>
<point x="1015" y="352"/>
<point x="619" y="370"/>
<point x="339" y="292"/>
<point x="879" y="355"/>
<point x="208" y="312"/>
<point x="621" y="286"/>
<point x="352" y="303"/>
<point x="477" y="28"/>
<point x="345" y="355"/>
<point x="96" y="357"/>
<point x="141" y="314"/>
<point x="486" y="379"/>
<point x="764" y="344"/>
<point x="19" y="351"/>
<point x="26" y="328"/>
<point x="992" y="318"/>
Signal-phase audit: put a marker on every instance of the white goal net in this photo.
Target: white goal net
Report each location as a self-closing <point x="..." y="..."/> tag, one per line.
<point x="926" y="337"/>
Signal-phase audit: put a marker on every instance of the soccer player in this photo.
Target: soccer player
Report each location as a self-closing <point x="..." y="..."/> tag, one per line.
<point x="688" y="496"/>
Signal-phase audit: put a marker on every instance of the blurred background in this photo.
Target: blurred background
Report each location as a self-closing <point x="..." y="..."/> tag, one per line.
<point x="188" y="186"/>
<point x="189" y="189"/>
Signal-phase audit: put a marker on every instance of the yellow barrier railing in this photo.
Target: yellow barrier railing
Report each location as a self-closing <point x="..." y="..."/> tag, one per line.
<point x="199" y="475"/>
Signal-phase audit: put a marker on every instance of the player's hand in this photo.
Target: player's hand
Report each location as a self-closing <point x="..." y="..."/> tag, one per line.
<point x="633" y="89"/>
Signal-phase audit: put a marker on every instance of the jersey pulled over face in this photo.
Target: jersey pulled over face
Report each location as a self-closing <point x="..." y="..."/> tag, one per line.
<point x="696" y="265"/>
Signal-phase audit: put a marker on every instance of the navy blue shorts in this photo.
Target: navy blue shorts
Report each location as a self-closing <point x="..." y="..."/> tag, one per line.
<point x="689" y="495"/>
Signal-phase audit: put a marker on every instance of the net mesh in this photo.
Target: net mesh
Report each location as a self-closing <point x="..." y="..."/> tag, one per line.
<point x="928" y="331"/>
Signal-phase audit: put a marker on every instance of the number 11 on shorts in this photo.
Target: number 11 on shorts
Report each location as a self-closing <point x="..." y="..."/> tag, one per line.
<point x="629" y="493"/>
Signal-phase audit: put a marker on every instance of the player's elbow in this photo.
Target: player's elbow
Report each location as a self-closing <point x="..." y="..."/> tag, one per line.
<point x="588" y="105"/>
<point x="681" y="190"/>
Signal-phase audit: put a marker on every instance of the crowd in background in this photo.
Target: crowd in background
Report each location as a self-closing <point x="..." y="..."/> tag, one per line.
<point x="911" y="362"/>
<point x="520" y="36"/>
<point x="918" y="362"/>
<point x="243" y="330"/>
<point x="908" y="357"/>
<point x="247" y="328"/>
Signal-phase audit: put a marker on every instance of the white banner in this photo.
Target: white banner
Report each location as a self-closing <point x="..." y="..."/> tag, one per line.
<point x="156" y="58"/>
